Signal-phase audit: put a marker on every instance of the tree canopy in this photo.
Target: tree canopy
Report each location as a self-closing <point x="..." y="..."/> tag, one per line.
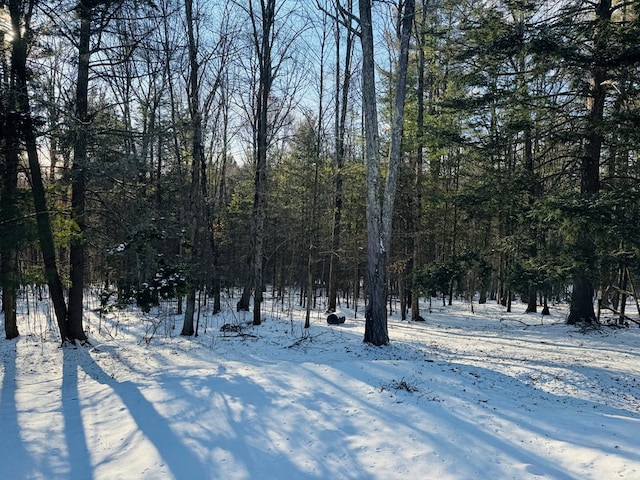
<point x="197" y="146"/>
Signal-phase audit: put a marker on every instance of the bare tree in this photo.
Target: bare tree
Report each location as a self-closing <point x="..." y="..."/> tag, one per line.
<point x="196" y="197"/>
<point x="341" y="104"/>
<point x="263" y="44"/>
<point x="273" y="53"/>
<point x="380" y="202"/>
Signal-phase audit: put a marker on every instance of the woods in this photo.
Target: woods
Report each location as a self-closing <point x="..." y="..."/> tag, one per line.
<point x="384" y="151"/>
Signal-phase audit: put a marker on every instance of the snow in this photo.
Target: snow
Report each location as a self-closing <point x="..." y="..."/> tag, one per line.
<point x="465" y="395"/>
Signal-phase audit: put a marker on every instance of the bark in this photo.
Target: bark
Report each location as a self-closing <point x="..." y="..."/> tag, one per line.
<point x="263" y="43"/>
<point x="9" y="255"/>
<point x="196" y="195"/>
<point x="189" y="312"/>
<point x="245" y="298"/>
<point x="342" y="96"/>
<point x="417" y="168"/>
<point x="28" y="133"/>
<point x="217" y="304"/>
<point x="312" y="247"/>
<point x="45" y="234"/>
<point x="532" y="302"/>
<point x="10" y="143"/>
<point x="545" y="306"/>
<point x="376" y="331"/>
<point x="380" y="210"/>
<point x="581" y="308"/>
<point x="623" y="298"/>
<point x="402" y="293"/>
<point x="79" y="174"/>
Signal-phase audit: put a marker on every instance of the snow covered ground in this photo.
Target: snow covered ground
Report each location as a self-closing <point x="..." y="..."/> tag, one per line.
<point x="484" y="395"/>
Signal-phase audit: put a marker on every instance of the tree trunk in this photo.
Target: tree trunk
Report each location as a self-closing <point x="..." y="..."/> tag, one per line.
<point x="45" y="234"/>
<point x="545" y="306"/>
<point x="221" y="207"/>
<point x="376" y="331"/>
<point x="189" y="312"/>
<point x="43" y="222"/>
<point x="262" y="44"/>
<point x="79" y="174"/>
<point x="197" y="193"/>
<point x="245" y="298"/>
<point x="402" y="293"/>
<point x="380" y="210"/>
<point x="312" y="238"/>
<point x="10" y="143"/>
<point x="342" y="97"/>
<point x="623" y="298"/>
<point x="581" y="308"/>
<point x="417" y="168"/>
<point x="8" y="269"/>
<point x="307" y="315"/>
<point x="532" y="303"/>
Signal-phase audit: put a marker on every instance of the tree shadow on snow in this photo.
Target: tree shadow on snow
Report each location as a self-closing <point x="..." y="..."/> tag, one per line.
<point x="448" y="394"/>
<point x="153" y="426"/>
<point x="16" y="461"/>
<point x="213" y="398"/>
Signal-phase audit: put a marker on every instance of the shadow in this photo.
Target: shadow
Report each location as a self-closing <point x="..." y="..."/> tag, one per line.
<point x="74" y="432"/>
<point x="200" y="400"/>
<point x="467" y="432"/>
<point x="452" y="395"/>
<point x="269" y="406"/>
<point x="149" y="422"/>
<point x="15" y="461"/>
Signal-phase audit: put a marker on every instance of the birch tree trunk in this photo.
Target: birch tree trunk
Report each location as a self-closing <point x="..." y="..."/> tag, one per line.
<point x="380" y="203"/>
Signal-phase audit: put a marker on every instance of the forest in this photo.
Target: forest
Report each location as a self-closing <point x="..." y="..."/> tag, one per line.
<point x="385" y="150"/>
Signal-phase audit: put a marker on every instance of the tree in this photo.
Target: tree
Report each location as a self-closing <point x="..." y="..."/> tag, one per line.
<point x="263" y="44"/>
<point x="581" y="307"/>
<point x="21" y="15"/>
<point x="419" y="163"/>
<point x="10" y="151"/>
<point x="201" y="224"/>
<point x="380" y="202"/>
<point x="77" y="257"/>
<point x="341" y="108"/>
<point x="269" y="111"/>
<point x="196" y="204"/>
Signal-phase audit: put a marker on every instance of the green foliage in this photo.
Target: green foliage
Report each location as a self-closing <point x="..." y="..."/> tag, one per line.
<point x="17" y="225"/>
<point x="165" y="284"/>
<point x="435" y="278"/>
<point x="547" y="278"/>
<point x="504" y="127"/>
<point x="65" y="230"/>
<point x="33" y="275"/>
<point x="470" y="269"/>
